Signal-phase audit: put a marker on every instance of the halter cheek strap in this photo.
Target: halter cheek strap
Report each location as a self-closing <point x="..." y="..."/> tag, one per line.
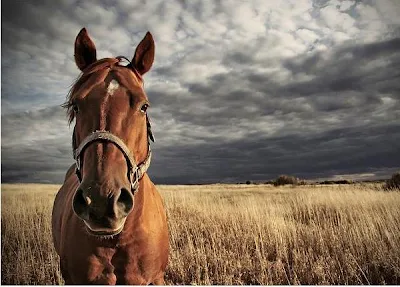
<point x="135" y="172"/>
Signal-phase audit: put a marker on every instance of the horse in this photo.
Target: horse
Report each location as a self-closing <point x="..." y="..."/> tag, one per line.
<point x="108" y="221"/>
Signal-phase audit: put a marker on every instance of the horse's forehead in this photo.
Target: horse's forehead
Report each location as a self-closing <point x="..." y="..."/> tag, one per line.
<point x="113" y="79"/>
<point x="124" y="78"/>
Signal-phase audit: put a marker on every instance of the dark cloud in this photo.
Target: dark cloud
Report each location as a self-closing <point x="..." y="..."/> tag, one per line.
<point x="39" y="149"/>
<point x="261" y="158"/>
<point x="341" y="151"/>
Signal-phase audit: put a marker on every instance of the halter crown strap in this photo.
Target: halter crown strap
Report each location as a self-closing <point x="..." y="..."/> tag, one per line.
<point x="135" y="172"/>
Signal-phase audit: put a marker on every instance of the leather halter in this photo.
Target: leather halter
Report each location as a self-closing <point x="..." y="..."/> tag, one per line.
<point x="135" y="172"/>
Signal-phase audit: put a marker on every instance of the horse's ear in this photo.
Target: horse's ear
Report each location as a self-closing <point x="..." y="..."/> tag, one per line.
<point x="144" y="54"/>
<point x="85" y="50"/>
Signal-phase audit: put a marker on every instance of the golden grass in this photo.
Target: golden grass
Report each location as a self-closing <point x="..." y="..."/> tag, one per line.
<point x="27" y="253"/>
<point x="235" y="234"/>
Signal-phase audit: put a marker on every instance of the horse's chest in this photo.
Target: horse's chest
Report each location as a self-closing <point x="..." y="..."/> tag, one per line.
<point x="100" y="269"/>
<point x="112" y="267"/>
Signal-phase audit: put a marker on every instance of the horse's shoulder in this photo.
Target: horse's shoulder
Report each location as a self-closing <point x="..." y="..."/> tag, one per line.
<point x="60" y="206"/>
<point x="68" y="186"/>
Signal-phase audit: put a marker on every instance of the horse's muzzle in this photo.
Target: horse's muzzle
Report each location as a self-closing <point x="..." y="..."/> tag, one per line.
<point x="103" y="215"/>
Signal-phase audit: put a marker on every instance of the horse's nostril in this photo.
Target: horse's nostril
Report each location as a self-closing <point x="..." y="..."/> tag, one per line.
<point x="125" y="202"/>
<point x="80" y="203"/>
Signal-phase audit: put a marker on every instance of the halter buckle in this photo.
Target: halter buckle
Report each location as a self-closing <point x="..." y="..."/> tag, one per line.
<point x="134" y="178"/>
<point x="78" y="168"/>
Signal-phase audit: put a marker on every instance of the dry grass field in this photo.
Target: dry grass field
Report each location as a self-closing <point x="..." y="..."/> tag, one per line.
<point x="235" y="234"/>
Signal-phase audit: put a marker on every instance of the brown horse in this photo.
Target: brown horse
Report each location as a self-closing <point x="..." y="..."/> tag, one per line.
<point x="109" y="224"/>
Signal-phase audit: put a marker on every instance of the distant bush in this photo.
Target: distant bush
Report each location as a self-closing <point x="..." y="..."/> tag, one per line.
<point x="287" y="179"/>
<point x="248" y="182"/>
<point x="343" y="181"/>
<point x="393" y="182"/>
<point x="269" y="182"/>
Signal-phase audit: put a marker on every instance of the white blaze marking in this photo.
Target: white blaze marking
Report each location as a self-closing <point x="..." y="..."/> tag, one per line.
<point x="112" y="87"/>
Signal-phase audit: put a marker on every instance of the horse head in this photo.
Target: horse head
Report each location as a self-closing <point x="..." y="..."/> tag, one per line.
<point x="111" y="133"/>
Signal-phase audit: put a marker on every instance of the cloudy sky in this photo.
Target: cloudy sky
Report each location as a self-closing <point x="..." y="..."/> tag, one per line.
<point x="240" y="90"/>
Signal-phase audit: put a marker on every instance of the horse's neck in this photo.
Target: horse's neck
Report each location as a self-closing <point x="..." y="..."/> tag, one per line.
<point x="143" y="198"/>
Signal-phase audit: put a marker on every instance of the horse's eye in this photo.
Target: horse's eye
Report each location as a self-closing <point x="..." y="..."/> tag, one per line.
<point x="75" y="108"/>
<point x="143" y="109"/>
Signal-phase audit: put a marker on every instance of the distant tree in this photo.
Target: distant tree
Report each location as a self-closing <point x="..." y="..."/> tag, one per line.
<point x="343" y="181"/>
<point x="393" y="182"/>
<point x="248" y="182"/>
<point x="269" y="182"/>
<point x="327" y="182"/>
<point x="301" y="182"/>
<point x="286" y="179"/>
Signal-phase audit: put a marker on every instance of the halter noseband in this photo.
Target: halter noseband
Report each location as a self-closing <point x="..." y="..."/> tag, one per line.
<point x="135" y="172"/>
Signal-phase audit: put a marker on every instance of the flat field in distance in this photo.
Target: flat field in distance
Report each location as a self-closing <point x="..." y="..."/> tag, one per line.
<point x="234" y="234"/>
